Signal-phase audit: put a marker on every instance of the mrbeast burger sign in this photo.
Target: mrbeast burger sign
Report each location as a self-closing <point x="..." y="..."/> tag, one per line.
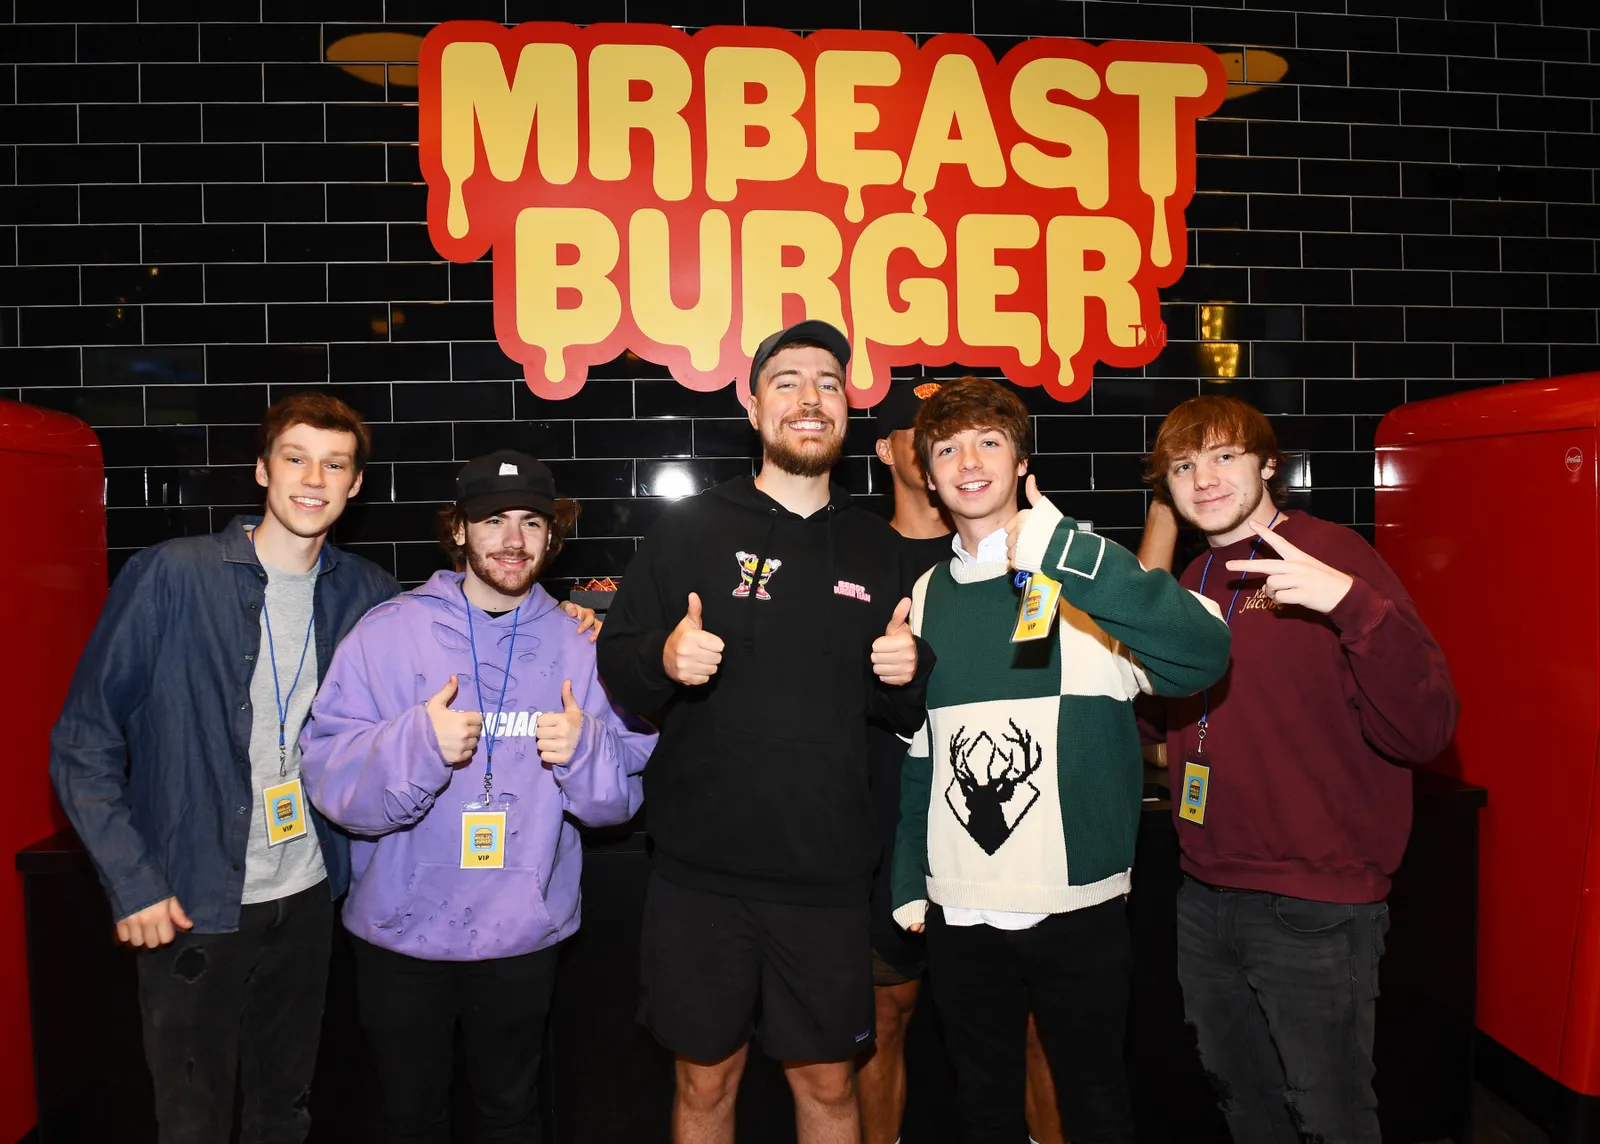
<point x="684" y="196"/>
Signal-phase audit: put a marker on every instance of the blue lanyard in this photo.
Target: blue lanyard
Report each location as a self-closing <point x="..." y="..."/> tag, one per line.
<point x="1228" y="618"/>
<point x="272" y="656"/>
<point x="477" y="683"/>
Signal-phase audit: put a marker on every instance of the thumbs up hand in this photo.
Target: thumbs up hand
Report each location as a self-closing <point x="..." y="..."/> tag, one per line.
<point x="894" y="653"/>
<point x="457" y="731"/>
<point x="557" y="732"/>
<point x="692" y="654"/>
<point x="1015" y="525"/>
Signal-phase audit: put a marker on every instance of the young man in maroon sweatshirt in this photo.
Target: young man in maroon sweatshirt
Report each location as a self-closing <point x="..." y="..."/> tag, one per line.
<point x="1291" y="794"/>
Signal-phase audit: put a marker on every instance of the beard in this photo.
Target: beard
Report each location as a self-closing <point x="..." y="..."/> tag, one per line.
<point x="807" y="461"/>
<point x="509" y="583"/>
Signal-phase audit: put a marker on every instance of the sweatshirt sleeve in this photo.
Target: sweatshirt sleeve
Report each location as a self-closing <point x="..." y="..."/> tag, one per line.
<point x="89" y="748"/>
<point x="908" y="878"/>
<point x="902" y="709"/>
<point x="603" y="783"/>
<point x="1408" y="702"/>
<point x="1181" y="645"/>
<point x="368" y="774"/>
<point x="635" y="633"/>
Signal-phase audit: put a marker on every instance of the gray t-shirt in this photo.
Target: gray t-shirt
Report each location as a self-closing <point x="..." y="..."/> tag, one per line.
<point x="272" y="872"/>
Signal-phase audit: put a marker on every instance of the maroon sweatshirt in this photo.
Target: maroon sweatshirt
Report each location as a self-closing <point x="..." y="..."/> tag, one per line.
<point x="1311" y="727"/>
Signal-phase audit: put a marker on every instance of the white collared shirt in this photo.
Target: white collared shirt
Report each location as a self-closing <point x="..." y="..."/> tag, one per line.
<point x="991" y="549"/>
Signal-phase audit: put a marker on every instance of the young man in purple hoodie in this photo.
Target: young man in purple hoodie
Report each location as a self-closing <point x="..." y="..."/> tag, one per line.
<point x="460" y="726"/>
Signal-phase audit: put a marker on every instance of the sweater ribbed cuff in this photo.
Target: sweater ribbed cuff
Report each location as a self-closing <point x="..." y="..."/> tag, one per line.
<point x="912" y="914"/>
<point x="1036" y="535"/>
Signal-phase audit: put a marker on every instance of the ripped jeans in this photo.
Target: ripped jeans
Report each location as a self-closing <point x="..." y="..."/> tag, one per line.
<point x="1282" y="993"/>
<point x="241" y="1010"/>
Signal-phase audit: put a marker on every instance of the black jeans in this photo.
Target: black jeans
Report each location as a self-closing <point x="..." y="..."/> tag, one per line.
<point x="410" y="1010"/>
<point x="241" y="1010"/>
<point x="1072" y="970"/>
<point x="1283" y="993"/>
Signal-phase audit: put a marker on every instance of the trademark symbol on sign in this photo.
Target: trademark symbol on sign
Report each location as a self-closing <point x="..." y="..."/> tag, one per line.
<point x="1155" y="334"/>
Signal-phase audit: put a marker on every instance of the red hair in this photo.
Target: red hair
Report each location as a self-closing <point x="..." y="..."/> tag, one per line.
<point x="319" y="411"/>
<point x="1204" y="423"/>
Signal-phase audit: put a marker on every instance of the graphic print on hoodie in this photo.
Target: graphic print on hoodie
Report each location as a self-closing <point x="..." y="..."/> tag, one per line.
<point x="372" y="765"/>
<point x="761" y="785"/>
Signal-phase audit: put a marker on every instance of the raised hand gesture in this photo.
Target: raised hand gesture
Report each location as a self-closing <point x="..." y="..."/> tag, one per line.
<point x="1297" y="577"/>
<point x="1015" y="525"/>
<point x="457" y="731"/>
<point x="894" y="653"/>
<point x="692" y="654"/>
<point x="557" y="732"/>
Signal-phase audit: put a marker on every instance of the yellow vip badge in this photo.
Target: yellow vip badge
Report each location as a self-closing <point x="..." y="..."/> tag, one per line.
<point x="1041" y="597"/>
<point x="1196" y="789"/>
<point x="483" y="839"/>
<point x="283" y="808"/>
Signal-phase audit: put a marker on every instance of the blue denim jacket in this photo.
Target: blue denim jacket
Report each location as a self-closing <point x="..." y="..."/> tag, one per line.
<point x="150" y="757"/>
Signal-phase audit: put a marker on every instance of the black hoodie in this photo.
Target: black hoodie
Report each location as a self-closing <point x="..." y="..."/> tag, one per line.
<point x="760" y="786"/>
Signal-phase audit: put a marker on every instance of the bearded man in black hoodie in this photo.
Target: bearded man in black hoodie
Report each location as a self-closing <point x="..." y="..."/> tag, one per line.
<point x="765" y="622"/>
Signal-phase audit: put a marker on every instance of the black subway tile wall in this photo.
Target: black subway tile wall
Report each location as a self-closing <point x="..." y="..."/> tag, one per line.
<point x="199" y="214"/>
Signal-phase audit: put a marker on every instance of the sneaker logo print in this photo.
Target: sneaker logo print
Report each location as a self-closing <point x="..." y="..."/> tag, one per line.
<point x="747" y="575"/>
<point x="990" y="793"/>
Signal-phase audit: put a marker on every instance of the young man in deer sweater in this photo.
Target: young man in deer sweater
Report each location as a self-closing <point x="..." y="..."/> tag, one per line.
<point x="1021" y="793"/>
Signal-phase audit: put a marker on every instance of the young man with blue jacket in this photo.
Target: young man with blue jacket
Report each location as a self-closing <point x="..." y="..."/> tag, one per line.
<point x="461" y="733"/>
<point x="175" y="758"/>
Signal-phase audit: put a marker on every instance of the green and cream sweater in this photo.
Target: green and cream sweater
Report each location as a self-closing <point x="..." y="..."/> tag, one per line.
<point x="1022" y="790"/>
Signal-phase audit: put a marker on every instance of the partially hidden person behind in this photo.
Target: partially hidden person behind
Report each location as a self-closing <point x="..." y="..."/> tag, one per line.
<point x="765" y="620"/>
<point x="461" y="733"/>
<point x="177" y="762"/>
<point x="1022" y="793"/>
<point x="1292" y="797"/>
<point x="899" y="958"/>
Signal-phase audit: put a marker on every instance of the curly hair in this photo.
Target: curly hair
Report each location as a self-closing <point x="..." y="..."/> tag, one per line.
<point x="971" y="403"/>
<point x="1204" y="423"/>
<point x="453" y="516"/>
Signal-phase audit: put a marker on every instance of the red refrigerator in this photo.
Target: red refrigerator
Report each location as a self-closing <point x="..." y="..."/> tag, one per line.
<point x="52" y="583"/>
<point x="1488" y="508"/>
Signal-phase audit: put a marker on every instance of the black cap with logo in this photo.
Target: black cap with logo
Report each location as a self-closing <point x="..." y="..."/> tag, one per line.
<point x="898" y="409"/>
<point x="811" y="330"/>
<point x="502" y="481"/>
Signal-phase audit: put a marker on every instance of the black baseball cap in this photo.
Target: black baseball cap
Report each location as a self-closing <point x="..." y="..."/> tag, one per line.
<point x="502" y="481"/>
<point x="898" y="409"/>
<point x="811" y="330"/>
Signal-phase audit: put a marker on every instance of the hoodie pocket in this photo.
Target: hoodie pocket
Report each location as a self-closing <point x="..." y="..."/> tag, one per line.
<point x="776" y="807"/>
<point x="454" y="914"/>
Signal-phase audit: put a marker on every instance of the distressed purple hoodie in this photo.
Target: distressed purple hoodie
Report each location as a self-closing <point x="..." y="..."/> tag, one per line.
<point x="372" y="765"/>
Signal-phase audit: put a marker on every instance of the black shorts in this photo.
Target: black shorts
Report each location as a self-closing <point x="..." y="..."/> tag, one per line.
<point x="716" y="970"/>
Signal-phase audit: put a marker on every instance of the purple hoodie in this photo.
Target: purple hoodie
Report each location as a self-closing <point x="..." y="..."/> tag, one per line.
<point x="371" y="764"/>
